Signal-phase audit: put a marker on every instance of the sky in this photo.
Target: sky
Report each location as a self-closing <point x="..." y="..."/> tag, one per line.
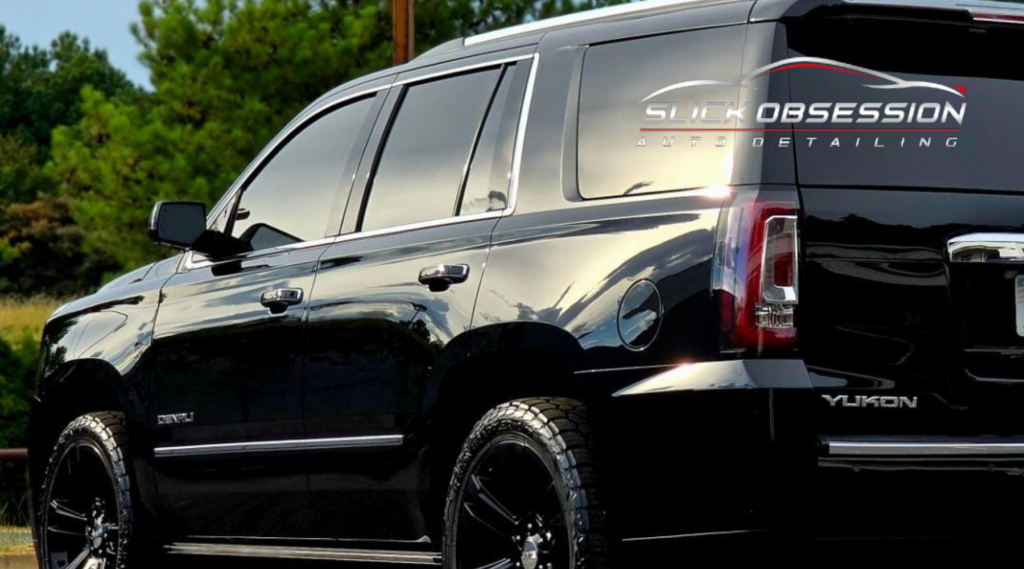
<point x="105" y="22"/>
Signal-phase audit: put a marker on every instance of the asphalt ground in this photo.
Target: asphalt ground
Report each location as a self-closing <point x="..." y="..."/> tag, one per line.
<point x="939" y="553"/>
<point x="917" y="553"/>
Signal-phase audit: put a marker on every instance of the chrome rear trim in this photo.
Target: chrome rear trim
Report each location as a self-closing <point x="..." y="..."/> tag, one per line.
<point x="922" y="449"/>
<point x="987" y="248"/>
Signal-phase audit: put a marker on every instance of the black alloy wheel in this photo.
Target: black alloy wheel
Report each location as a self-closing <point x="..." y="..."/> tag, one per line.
<point x="85" y="511"/>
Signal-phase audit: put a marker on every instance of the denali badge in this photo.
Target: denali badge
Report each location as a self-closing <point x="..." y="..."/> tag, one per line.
<point x="875" y="401"/>
<point x="176" y="419"/>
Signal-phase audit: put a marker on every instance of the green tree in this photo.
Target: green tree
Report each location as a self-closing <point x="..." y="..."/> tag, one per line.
<point x="40" y="89"/>
<point x="227" y="75"/>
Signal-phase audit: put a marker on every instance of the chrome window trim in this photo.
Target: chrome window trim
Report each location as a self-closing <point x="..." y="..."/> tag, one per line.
<point x="305" y="553"/>
<point x="191" y="264"/>
<point x="517" y="151"/>
<point x="337" y="443"/>
<point x="357" y="235"/>
<point x="460" y="69"/>
<point x="922" y="449"/>
<point x="513" y="191"/>
<point x="572" y="19"/>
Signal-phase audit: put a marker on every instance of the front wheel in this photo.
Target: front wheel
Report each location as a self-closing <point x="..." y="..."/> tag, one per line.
<point x="86" y="515"/>
<point x="524" y="492"/>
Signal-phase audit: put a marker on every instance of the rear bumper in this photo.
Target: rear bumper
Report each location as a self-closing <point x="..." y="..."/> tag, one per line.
<point x="920" y="487"/>
<point x="713" y="452"/>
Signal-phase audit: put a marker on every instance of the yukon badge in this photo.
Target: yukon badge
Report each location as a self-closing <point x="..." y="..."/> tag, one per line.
<point x="176" y="419"/>
<point x="871" y="401"/>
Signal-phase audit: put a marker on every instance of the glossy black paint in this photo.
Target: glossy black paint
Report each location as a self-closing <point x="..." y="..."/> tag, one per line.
<point x="237" y="366"/>
<point x="373" y="337"/>
<point x="692" y="439"/>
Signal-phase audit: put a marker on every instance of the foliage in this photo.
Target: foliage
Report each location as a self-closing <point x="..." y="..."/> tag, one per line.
<point x="18" y="364"/>
<point x="40" y="89"/>
<point x="227" y="74"/>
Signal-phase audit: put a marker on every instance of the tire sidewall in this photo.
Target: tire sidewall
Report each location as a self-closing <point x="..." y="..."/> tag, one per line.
<point x="539" y="437"/>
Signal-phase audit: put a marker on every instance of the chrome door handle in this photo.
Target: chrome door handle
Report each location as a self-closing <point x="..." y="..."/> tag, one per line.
<point x="987" y="248"/>
<point x="279" y="299"/>
<point x="440" y="277"/>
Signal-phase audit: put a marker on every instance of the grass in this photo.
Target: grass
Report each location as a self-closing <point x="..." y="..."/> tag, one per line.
<point x="15" y="540"/>
<point x="20" y="317"/>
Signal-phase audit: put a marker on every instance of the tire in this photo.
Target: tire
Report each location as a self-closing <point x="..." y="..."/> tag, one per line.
<point x="524" y="492"/>
<point x="86" y="513"/>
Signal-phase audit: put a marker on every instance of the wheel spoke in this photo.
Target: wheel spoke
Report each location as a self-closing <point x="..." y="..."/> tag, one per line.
<point x="511" y="505"/>
<point x="66" y="512"/>
<point x="503" y="564"/>
<point x="79" y="561"/>
<point x="490" y="512"/>
<point x="58" y="531"/>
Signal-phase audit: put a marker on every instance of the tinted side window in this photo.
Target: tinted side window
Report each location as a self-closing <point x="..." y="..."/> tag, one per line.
<point x="291" y="198"/>
<point x="489" y="175"/>
<point x="618" y="77"/>
<point x="422" y="165"/>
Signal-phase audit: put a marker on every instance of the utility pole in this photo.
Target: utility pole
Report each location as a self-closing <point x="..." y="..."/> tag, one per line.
<point x="403" y="30"/>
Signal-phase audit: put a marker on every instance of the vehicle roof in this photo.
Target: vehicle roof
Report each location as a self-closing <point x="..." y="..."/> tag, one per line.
<point x="761" y="10"/>
<point x="648" y="7"/>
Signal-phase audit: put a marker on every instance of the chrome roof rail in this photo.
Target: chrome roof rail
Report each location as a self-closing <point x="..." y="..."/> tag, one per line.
<point x="576" y="18"/>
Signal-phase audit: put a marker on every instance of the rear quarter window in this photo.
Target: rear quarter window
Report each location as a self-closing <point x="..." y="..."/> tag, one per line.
<point x="615" y="156"/>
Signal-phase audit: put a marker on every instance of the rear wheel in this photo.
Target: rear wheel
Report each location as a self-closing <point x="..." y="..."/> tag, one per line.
<point x="86" y="511"/>
<point x="524" y="493"/>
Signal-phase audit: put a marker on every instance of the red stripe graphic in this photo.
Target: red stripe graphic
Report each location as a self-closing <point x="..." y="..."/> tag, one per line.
<point x="800" y="130"/>
<point x="819" y="67"/>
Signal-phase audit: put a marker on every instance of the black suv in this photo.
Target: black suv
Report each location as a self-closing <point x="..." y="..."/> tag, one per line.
<point x="646" y="275"/>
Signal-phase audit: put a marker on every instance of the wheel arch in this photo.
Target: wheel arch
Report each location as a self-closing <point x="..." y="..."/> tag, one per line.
<point x="482" y="369"/>
<point x="72" y="390"/>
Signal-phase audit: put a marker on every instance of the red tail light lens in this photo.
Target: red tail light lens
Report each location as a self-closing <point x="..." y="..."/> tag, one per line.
<point x="756" y="267"/>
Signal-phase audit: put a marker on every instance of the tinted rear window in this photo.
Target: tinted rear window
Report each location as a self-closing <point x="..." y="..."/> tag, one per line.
<point x="618" y="76"/>
<point x="980" y="152"/>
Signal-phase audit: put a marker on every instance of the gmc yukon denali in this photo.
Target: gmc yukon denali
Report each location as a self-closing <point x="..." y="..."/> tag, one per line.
<point x="644" y="276"/>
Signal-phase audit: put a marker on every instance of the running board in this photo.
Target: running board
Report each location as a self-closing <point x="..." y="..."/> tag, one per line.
<point x="924" y="448"/>
<point x="306" y="553"/>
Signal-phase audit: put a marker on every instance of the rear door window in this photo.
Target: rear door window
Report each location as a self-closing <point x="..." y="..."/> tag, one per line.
<point x="487" y="184"/>
<point x="421" y="168"/>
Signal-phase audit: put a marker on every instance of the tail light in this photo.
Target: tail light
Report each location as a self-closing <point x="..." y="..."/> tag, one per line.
<point x="756" y="271"/>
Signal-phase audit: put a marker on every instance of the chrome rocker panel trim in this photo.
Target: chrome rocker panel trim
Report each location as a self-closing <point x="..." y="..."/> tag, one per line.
<point x="306" y="553"/>
<point x="381" y="441"/>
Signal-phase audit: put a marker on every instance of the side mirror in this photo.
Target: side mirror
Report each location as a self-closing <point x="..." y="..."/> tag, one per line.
<point x="177" y="224"/>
